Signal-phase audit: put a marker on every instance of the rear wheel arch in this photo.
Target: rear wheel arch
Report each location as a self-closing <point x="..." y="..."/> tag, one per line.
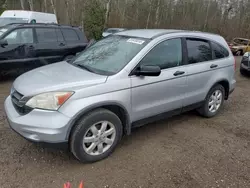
<point x="225" y="84"/>
<point x="116" y="108"/>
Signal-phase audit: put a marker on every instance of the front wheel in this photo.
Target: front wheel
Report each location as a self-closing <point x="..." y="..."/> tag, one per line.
<point x="213" y="102"/>
<point x="239" y="53"/>
<point x="96" y="135"/>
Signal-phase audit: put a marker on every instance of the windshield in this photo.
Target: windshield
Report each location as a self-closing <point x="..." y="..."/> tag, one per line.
<point x="5" y="21"/>
<point x="110" y="55"/>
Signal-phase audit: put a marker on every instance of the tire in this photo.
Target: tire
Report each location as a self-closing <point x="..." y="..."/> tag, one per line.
<point x="82" y="129"/>
<point x="69" y="57"/>
<point x="204" y="110"/>
<point x="243" y="72"/>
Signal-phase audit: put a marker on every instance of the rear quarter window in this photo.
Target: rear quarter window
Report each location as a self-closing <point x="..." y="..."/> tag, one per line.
<point x="70" y="35"/>
<point x="219" y="51"/>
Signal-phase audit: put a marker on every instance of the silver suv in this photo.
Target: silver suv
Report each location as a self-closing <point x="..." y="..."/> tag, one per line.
<point x="123" y="81"/>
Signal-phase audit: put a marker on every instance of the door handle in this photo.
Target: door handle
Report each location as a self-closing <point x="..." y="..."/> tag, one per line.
<point x="178" y="73"/>
<point x="62" y="44"/>
<point x="213" y="66"/>
<point x="31" y="47"/>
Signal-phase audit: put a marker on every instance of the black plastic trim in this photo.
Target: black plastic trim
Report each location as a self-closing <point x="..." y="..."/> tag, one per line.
<point x="166" y="115"/>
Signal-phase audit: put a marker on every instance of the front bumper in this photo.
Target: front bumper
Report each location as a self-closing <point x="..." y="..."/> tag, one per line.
<point x="39" y="125"/>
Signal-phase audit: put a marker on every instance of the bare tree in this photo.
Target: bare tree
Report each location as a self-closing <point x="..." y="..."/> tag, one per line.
<point x="53" y="6"/>
<point x="67" y="11"/>
<point x="107" y="13"/>
<point x="45" y="5"/>
<point x="149" y="13"/>
<point x="157" y="13"/>
<point x="22" y="4"/>
<point x="31" y="4"/>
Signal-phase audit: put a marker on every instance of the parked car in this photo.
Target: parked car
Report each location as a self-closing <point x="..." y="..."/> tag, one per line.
<point x="239" y="46"/>
<point x="245" y="64"/>
<point x="23" y="16"/>
<point x="28" y="46"/>
<point x="111" y="31"/>
<point x="120" y="82"/>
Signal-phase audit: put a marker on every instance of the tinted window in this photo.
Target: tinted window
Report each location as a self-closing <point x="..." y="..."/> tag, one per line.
<point x="198" y="51"/>
<point x="45" y="35"/>
<point x="59" y="35"/>
<point x="70" y="35"/>
<point x="20" y="36"/>
<point x="219" y="51"/>
<point x="165" y="55"/>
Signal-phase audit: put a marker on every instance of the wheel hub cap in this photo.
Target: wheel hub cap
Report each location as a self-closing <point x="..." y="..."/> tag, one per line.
<point x="215" y="101"/>
<point x="99" y="138"/>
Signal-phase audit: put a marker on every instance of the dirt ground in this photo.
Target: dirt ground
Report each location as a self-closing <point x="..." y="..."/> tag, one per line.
<point x="184" y="151"/>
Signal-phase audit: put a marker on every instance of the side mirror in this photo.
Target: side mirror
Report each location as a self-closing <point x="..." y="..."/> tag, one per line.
<point x="148" y="70"/>
<point x="3" y="43"/>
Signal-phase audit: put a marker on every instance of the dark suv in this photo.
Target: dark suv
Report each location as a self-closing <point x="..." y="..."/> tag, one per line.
<point x="27" y="46"/>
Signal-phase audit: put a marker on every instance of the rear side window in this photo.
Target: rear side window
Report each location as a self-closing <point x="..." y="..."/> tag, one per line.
<point x="46" y="35"/>
<point x="70" y="35"/>
<point x="219" y="51"/>
<point x="198" y="51"/>
<point x="59" y="35"/>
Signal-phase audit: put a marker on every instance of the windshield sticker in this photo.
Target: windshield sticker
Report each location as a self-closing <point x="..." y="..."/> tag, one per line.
<point x="135" y="41"/>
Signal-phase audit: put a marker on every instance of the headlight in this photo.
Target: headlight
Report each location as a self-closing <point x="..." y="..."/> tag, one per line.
<point x="49" y="101"/>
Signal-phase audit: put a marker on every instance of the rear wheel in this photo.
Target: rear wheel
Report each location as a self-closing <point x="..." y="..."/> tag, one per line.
<point x="214" y="101"/>
<point x="96" y="135"/>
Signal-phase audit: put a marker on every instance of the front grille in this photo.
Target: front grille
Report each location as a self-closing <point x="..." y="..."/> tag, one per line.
<point x="19" y="103"/>
<point x="244" y="61"/>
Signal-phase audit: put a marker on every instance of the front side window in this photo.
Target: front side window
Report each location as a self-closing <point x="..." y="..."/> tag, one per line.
<point x="167" y="54"/>
<point x="198" y="51"/>
<point x="109" y="55"/>
<point x="20" y="36"/>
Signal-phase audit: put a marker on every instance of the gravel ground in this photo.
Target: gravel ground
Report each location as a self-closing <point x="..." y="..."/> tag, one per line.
<point x="184" y="151"/>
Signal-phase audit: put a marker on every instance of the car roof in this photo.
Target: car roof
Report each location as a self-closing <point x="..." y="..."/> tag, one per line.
<point x="154" y="33"/>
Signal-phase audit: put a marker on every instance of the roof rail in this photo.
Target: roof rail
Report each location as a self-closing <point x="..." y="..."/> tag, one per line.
<point x="32" y="24"/>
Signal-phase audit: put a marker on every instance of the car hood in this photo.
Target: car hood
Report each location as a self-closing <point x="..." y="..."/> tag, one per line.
<point x="237" y="46"/>
<point x="54" y="77"/>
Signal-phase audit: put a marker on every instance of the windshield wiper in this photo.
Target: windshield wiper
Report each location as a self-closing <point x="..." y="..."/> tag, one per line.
<point x="84" y="67"/>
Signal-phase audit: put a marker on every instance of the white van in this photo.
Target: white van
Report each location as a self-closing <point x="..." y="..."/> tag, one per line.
<point x="23" y="16"/>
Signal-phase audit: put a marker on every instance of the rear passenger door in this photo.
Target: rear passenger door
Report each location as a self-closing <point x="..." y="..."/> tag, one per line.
<point x="203" y="63"/>
<point x="50" y="45"/>
<point x="74" y="42"/>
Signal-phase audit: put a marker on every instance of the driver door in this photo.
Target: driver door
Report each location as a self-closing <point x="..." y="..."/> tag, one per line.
<point x="18" y="52"/>
<point x="156" y="95"/>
